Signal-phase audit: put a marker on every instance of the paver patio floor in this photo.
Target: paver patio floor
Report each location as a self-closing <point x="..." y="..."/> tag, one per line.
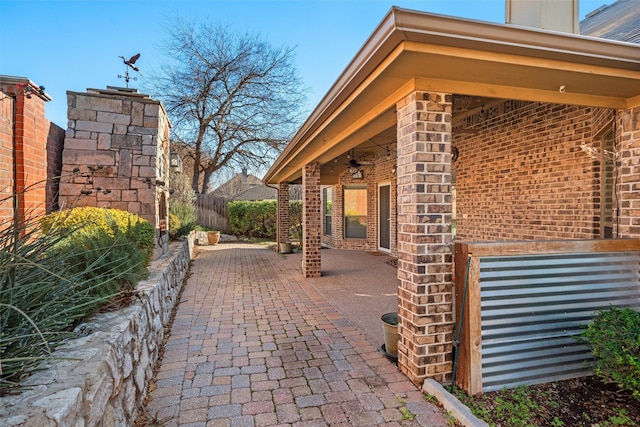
<point x="253" y="343"/>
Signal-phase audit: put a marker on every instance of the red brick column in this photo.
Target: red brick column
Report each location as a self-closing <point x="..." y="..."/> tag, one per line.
<point x="424" y="236"/>
<point x="283" y="214"/>
<point x="30" y="156"/>
<point x="628" y="147"/>
<point x="311" y="220"/>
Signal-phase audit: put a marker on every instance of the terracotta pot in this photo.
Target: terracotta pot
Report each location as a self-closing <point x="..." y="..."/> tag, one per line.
<point x="213" y="237"/>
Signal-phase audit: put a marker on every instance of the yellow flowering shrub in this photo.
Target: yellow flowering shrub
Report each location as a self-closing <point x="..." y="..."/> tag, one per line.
<point x="112" y="222"/>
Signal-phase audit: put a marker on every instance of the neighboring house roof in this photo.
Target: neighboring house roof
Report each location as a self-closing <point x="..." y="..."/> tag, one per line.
<point x="244" y="186"/>
<point x="238" y="184"/>
<point x="415" y="51"/>
<point x="257" y="192"/>
<point x="618" y="21"/>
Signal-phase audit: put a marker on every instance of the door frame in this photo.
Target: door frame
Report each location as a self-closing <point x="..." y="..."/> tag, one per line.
<point x="383" y="184"/>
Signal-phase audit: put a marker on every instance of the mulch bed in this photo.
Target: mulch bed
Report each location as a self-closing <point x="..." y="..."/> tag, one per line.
<point x="580" y="402"/>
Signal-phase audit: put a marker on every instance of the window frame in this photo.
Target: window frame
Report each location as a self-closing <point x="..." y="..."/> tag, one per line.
<point x="345" y="218"/>
<point x="327" y="211"/>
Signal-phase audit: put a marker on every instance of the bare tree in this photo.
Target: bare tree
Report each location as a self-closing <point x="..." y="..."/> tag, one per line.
<point x="232" y="97"/>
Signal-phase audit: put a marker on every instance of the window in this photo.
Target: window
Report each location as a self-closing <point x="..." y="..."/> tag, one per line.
<point x="607" y="172"/>
<point x="355" y="212"/>
<point x="327" y="200"/>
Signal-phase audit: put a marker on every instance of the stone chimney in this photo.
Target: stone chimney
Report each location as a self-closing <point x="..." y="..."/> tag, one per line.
<point x="245" y="173"/>
<point x="554" y="15"/>
<point x="116" y="155"/>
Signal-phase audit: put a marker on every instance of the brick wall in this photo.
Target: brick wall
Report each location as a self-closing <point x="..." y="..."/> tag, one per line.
<point x="628" y="145"/>
<point x="6" y="156"/>
<point x="522" y="173"/>
<point x="383" y="170"/>
<point x="25" y="136"/>
<point x="55" y="145"/>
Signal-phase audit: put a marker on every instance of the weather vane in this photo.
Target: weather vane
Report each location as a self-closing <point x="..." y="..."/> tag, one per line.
<point x="129" y="63"/>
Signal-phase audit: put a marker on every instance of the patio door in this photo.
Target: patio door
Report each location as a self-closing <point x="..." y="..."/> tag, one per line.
<point x="384" y="217"/>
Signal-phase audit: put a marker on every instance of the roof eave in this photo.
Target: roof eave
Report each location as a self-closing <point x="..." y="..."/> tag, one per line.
<point x="401" y="25"/>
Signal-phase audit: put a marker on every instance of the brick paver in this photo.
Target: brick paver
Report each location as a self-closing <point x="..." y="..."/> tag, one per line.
<point x="254" y="344"/>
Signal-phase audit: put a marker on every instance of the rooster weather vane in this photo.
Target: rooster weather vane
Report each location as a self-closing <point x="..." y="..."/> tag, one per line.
<point x="130" y="63"/>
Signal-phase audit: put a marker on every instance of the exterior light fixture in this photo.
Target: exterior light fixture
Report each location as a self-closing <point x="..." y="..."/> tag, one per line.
<point x="175" y="162"/>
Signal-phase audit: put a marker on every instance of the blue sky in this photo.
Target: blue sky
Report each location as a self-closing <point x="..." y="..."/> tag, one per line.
<point x="70" y="45"/>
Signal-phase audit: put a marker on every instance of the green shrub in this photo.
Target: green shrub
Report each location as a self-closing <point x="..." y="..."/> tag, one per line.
<point x="174" y="225"/>
<point x="95" y="254"/>
<point x="258" y="219"/>
<point x="182" y="202"/>
<point x="113" y="223"/>
<point x="253" y="219"/>
<point x="614" y="339"/>
<point x="51" y="281"/>
<point x="295" y="220"/>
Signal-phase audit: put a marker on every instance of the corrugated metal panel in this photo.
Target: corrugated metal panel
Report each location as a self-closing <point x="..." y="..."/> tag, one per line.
<point x="532" y="306"/>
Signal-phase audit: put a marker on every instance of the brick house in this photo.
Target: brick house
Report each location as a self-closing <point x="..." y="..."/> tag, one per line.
<point x="505" y="132"/>
<point x="30" y="151"/>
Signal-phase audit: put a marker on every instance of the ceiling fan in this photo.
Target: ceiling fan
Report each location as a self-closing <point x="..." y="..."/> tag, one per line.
<point x="354" y="165"/>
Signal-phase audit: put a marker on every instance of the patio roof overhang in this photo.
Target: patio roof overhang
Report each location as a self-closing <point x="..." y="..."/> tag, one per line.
<point x="413" y="50"/>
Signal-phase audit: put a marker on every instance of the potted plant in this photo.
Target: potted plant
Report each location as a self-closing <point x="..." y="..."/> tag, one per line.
<point x="213" y="237"/>
<point x="390" y="326"/>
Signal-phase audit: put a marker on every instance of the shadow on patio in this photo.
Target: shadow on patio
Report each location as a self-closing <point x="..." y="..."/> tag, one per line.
<point x="362" y="286"/>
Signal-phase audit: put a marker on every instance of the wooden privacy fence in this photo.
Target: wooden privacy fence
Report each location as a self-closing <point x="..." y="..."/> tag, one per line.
<point x="526" y="301"/>
<point x="212" y="212"/>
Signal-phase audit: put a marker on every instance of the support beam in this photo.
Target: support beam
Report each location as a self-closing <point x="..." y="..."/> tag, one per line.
<point x="283" y="215"/>
<point x="311" y="220"/>
<point x="424" y="236"/>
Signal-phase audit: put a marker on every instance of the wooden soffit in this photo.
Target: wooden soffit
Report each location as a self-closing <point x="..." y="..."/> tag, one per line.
<point x="418" y="51"/>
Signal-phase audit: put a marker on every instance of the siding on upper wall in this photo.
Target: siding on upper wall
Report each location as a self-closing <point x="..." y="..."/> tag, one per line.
<point x="522" y="174"/>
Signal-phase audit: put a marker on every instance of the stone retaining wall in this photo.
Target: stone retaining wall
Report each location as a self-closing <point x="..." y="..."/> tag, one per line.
<point x="101" y="377"/>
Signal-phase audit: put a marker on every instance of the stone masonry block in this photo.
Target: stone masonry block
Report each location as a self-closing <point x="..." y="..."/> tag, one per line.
<point x="139" y="130"/>
<point x="129" y="195"/>
<point x="114" y="118"/>
<point x="126" y="141"/>
<point x="94" y="126"/>
<point x="124" y="166"/>
<point x="120" y="129"/>
<point x="148" y="149"/>
<point x="140" y="160"/>
<point x="83" y="134"/>
<point x="111" y="196"/>
<point x="104" y="141"/>
<point x="91" y="102"/>
<point x="150" y="122"/>
<point x="147" y="171"/>
<point x="88" y="157"/>
<point x="152" y="110"/>
<point x="80" y="144"/>
<point x="148" y="196"/>
<point x="81" y="114"/>
<point x="137" y="114"/>
<point x="112" y="183"/>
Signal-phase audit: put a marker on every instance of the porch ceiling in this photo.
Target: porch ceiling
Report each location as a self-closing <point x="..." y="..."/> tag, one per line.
<point x="418" y="51"/>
